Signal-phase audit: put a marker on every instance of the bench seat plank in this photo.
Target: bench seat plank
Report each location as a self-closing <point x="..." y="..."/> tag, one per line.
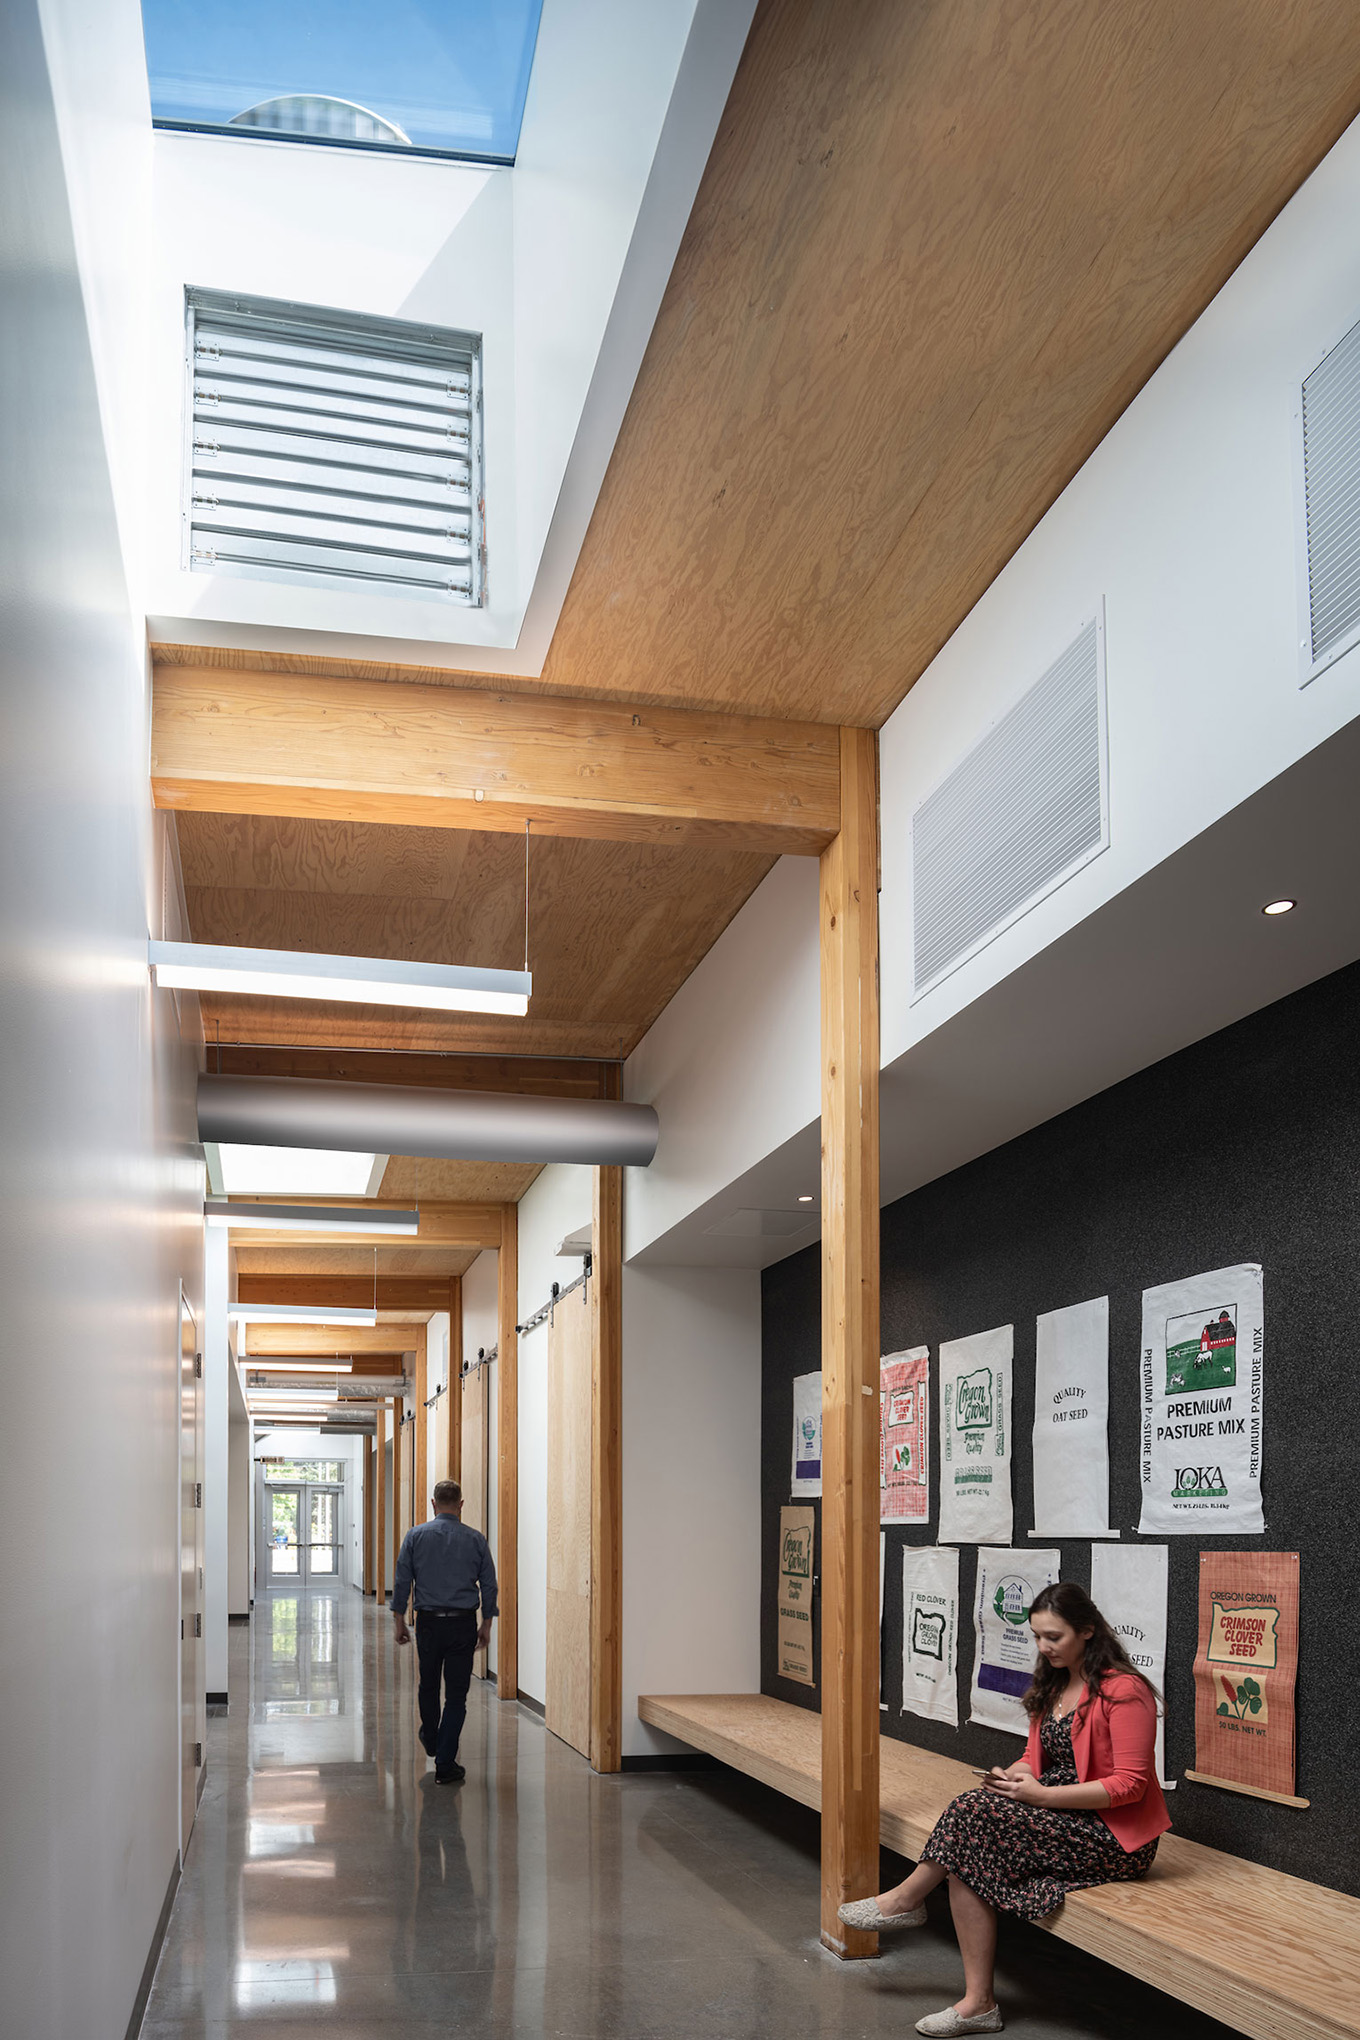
<point x="1272" y="1955"/>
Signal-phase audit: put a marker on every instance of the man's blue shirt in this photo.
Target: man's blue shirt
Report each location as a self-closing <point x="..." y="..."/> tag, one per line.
<point x="450" y="1564"/>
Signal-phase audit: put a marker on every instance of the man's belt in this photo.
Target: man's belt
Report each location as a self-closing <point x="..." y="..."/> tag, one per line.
<point x="446" y="1611"/>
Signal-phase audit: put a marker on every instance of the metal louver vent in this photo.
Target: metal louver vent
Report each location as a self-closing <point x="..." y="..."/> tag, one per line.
<point x="327" y="448"/>
<point x="1022" y="811"/>
<point x="1330" y="429"/>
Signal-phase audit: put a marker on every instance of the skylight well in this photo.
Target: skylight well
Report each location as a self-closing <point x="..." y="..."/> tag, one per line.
<point x="441" y="77"/>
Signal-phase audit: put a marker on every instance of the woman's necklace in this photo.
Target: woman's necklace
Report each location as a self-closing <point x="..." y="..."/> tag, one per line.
<point x="1060" y="1712"/>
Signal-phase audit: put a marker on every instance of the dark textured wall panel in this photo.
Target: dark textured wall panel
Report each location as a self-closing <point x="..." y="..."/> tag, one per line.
<point x="1245" y="1147"/>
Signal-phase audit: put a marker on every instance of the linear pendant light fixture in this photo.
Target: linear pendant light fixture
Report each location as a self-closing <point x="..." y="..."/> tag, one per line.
<point x="294" y="1314"/>
<point x="361" y="980"/>
<point x="329" y="1218"/>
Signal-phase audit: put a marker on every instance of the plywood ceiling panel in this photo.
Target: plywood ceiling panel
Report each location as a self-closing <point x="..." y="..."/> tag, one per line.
<point x="614" y="929"/>
<point x="939" y="246"/>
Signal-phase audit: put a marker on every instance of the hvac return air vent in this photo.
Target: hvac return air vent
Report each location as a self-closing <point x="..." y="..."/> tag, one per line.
<point x="1024" y="810"/>
<point x="333" y="450"/>
<point x="1329" y="437"/>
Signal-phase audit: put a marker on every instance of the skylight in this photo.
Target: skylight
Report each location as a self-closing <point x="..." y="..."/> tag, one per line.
<point x="447" y="77"/>
<point x="297" y="1172"/>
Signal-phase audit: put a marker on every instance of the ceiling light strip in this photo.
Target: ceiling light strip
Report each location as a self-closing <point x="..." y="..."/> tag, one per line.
<point x="310" y="1218"/>
<point x="362" y="980"/>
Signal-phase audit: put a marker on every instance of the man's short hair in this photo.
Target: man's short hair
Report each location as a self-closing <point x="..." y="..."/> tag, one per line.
<point x="447" y="1494"/>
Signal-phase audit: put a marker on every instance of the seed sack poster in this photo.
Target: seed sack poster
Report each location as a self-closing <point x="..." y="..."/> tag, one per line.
<point x="1203" y="1383"/>
<point x="1245" y="1668"/>
<point x="975" y="1438"/>
<point x="930" y="1631"/>
<point x="806" y="1482"/>
<point x="903" y="1469"/>
<point x="795" y="1595"/>
<point x="1003" y="1665"/>
<point x="1071" y="1419"/>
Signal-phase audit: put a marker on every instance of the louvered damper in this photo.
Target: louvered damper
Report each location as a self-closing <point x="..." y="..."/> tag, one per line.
<point x="1015" y="817"/>
<point x="1331" y="482"/>
<point x="331" y="449"/>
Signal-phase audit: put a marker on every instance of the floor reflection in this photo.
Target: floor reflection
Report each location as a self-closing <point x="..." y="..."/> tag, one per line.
<point x="332" y="1885"/>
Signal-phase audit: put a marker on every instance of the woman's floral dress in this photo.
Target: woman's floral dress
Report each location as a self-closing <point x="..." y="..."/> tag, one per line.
<point x="1025" y="1859"/>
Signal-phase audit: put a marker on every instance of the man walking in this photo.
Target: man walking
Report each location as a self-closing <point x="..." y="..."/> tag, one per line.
<point x="450" y="1565"/>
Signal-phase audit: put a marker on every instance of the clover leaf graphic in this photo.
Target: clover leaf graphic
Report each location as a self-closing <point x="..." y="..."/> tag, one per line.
<point x="1246" y="1698"/>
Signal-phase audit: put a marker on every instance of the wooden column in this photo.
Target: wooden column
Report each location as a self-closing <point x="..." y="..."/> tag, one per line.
<point x="606" y="1472"/>
<point x="367" y="1543"/>
<point x="850" y="1347"/>
<point x="507" y="1455"/>
<point x="380" y="1510"/>
<point x="420" y="1466"/>
<point x="398" y="1527"/>
<point x="453" y="1402"/>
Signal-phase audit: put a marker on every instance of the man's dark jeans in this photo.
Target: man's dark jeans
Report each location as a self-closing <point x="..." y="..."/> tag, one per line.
<point x="445" y="1645"/>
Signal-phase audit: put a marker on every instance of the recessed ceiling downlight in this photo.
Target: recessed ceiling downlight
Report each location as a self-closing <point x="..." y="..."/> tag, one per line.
<point x="1279" y="907"/>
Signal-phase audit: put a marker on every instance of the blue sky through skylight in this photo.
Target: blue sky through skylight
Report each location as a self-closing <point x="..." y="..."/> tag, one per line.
<point x="451" y="74"/>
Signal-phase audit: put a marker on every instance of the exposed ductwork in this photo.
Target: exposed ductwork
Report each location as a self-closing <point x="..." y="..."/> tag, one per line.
<point x="399" y="1119"/>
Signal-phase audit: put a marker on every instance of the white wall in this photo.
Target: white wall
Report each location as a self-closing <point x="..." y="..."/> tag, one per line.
<point x="691" y="1488"/>
<point x="481" y="1330"/>
<point x="556" y="1203"/>
<point x="102" y="1180"/>
<point x="217" y="1371"/>
<point x="733" y="1063"/>
<point x="240" y="1574"/>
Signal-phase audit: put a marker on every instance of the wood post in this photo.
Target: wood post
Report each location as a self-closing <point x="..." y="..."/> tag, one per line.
<point x="420" y="1462"/>
<point x="453" y="1413"/>
<point x="398" y="1413"/>
<point x="850" y="1347"/>
<point x="606" y="1472"/>
<point x="507" y="1455"/>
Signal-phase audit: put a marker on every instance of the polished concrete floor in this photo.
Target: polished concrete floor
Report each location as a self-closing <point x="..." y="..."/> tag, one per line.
<point x="331" y="1886"/>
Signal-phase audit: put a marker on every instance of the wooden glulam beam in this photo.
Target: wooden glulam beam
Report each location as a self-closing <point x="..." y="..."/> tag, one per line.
<point x="536" y="1076"/>
<point x="323" y="1342"/>
<point x="346" y="1292"/>
<point x="850" y="1348"/>
<point x="305" y="745"/>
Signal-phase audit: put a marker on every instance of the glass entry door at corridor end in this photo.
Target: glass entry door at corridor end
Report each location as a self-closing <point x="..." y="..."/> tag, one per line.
<point x="301" y="1503"/>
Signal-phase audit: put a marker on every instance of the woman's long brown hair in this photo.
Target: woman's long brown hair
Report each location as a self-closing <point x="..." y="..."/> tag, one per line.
<point x="1104" y="1652"/>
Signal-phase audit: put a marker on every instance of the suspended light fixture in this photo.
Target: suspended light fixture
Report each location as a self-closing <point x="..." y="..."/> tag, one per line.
<point x="359" y="980"/>
<point x="310" y="1218"/>
<point x="295" y="1314"/>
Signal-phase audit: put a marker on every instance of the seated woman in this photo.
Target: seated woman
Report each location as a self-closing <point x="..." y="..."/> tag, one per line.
<point x="1083" y="1805"/>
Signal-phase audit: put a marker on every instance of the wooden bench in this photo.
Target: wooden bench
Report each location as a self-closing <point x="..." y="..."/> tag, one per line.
<point x="1273" y="1956"/>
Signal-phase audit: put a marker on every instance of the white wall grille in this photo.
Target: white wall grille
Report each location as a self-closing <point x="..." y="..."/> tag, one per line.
<point x="1020" y="813"/>
<point x="326" y="448"/>
<point x="1330" y="418"/>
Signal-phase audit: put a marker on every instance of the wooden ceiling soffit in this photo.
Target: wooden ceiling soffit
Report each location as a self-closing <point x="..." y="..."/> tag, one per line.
<point x="441" y="1225"/>
<point x="355" y="750"/>
<point x="525" y="1076"/>
<point x="936" y="251"/>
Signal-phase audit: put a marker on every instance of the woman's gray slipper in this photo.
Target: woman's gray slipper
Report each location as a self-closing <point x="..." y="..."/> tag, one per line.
<point x="949" y="2022"/>
<point x="864" y="1914"/>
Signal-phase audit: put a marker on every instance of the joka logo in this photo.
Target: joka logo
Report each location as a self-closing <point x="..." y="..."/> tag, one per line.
<point x="1198" y="1480"/>
<point x="1012" y="1598"/>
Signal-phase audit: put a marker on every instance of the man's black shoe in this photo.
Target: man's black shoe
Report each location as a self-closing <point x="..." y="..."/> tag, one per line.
<point x="453" y="1776"/>
<point x="425" y="1742"/>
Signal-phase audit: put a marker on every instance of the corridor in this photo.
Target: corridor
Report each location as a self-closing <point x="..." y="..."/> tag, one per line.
<point x="332" y="1886"/>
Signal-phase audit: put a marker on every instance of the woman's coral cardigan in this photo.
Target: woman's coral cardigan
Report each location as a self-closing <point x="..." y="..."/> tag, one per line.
<point x="1114" y="1742"/>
